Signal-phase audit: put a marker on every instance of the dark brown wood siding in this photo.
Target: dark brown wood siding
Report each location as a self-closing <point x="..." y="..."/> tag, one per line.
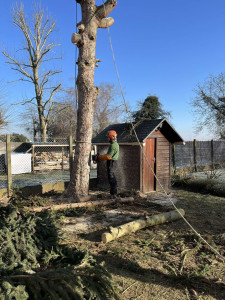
<point x="128" y="168"/>
<point x="162" y="160"/>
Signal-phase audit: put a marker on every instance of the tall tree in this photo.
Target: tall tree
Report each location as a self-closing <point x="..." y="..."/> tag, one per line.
<point x="209" y="105"/>
<point x="151" y="108"/>
<point x="93" y="17"/>
<point x="37" y="53"/>
<point x="106" y="108"/>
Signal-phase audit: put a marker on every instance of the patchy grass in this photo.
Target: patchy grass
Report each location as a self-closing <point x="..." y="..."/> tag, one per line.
<point x="166" y="261"/>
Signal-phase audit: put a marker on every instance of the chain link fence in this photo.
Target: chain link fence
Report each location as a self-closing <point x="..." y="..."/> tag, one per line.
<point x="51" y="160"/>
<point x="3" y="176"/>
<point x="37" y="163"/>
<point x="34" y="163"/>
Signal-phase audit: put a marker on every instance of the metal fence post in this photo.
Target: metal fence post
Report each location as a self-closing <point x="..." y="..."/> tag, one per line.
<point x="71" y="154"/>
<point x="9" y="167"/>
<point x="33" y="154"/>
<point x="195" y="154"/>
<point x="62" y="158"/>
<point x="212" y="154"/>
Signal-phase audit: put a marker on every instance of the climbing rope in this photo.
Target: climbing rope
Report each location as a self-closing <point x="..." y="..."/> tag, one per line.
<point x="130" y="119"/>
<point x="75" y="68"/>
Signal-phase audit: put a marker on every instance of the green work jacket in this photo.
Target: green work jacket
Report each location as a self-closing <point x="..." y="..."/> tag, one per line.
<point x="113" y="151"/>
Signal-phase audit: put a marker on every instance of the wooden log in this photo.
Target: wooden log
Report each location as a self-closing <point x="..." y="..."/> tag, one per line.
<point x="82" y="204"/>
<point x="116" y="232"/>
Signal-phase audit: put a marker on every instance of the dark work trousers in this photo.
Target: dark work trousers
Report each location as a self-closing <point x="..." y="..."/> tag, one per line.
<point x="111" y="167"/>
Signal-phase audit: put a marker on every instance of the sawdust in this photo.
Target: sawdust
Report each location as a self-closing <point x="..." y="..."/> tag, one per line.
<point x="113" y="217"/>
<point x="107" y="218"/>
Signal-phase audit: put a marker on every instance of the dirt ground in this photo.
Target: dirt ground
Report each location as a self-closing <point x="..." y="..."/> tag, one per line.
<point x="162" y="262"/>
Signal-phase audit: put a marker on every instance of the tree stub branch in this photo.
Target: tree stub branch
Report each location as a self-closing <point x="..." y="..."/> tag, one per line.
<point x="116" y="232"/>
<point x="76" y="38"/>
<point x="104" y="10"/>
<point x="106" y="22"/>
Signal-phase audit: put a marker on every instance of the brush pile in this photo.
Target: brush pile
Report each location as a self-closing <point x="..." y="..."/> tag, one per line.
<point x="34" y="264"/>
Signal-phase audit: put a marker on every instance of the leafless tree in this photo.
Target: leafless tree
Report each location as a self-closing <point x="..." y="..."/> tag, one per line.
<point x="37" y="54"/>
<point x="31" y="121"/>
<point x="63" y="118"/>
<point x="4" y="116"/>
<point x="93" y="17"/>
<point x="209" y="105"/>
<point x="106" y="109"/>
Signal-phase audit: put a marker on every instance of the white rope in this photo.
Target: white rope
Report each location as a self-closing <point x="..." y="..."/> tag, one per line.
<point x="125" y="104"/>
<point x="75" y="69"/>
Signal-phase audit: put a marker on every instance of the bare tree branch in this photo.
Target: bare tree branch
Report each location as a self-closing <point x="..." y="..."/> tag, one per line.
<point x="51" y="95"/>
<point x="21" y="79"/>
<point x="13" y="61"/>
<point x="105" y="9"/>
<point x="25" y="102"/>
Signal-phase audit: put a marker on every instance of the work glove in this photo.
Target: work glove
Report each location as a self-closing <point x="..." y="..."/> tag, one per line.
<point x="95" y="158"/>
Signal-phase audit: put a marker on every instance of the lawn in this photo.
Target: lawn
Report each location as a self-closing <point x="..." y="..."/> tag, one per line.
<point x="31" y="179"/>
<point x="166" y="261"/>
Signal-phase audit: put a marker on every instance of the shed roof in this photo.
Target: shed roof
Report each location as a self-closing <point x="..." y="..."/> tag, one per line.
<point x="144" y="129"/>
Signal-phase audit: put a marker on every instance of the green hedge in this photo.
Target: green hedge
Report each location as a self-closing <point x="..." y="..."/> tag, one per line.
<point x="206" y="186"/>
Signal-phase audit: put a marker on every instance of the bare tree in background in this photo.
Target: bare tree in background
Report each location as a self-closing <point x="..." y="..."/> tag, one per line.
<point x="209" y="105"/>
<point x="3" y="111"/>
<point x="3" y="117"/>
<point x="31" y="121"/>
<point x="106" y="109"/>
<point x="63" y="119"/>
<point x="93" y="17"/>
<point x="37" y="52"/>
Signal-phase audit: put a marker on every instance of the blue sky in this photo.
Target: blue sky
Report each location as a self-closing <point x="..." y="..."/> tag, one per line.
<point x="161" y="47"/>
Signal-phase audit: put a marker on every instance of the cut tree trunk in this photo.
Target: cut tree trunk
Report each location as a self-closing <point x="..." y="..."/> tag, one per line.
<point x="83" y="204"/>
<point x="116" y="232"/>
<point x="93" y="17"/>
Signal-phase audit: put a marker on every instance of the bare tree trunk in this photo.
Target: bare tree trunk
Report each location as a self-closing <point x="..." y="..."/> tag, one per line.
<point x="93" y="17"/>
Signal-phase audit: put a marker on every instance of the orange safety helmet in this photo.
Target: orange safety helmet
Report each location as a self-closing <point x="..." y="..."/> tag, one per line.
<point x="112" y="135"/>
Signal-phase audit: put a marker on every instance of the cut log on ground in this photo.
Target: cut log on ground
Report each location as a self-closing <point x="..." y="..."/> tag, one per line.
<point x="116" y="232"/>
<point x="82" y="204"/>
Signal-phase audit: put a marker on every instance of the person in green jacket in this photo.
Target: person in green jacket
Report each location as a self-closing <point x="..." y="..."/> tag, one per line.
<point x="111" y="157"/>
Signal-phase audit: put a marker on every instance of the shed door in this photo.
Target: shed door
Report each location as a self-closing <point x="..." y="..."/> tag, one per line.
<point x="149" y="182"/>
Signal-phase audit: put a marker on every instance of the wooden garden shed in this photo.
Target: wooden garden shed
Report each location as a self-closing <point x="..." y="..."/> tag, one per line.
<point x="133" y="171"/>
